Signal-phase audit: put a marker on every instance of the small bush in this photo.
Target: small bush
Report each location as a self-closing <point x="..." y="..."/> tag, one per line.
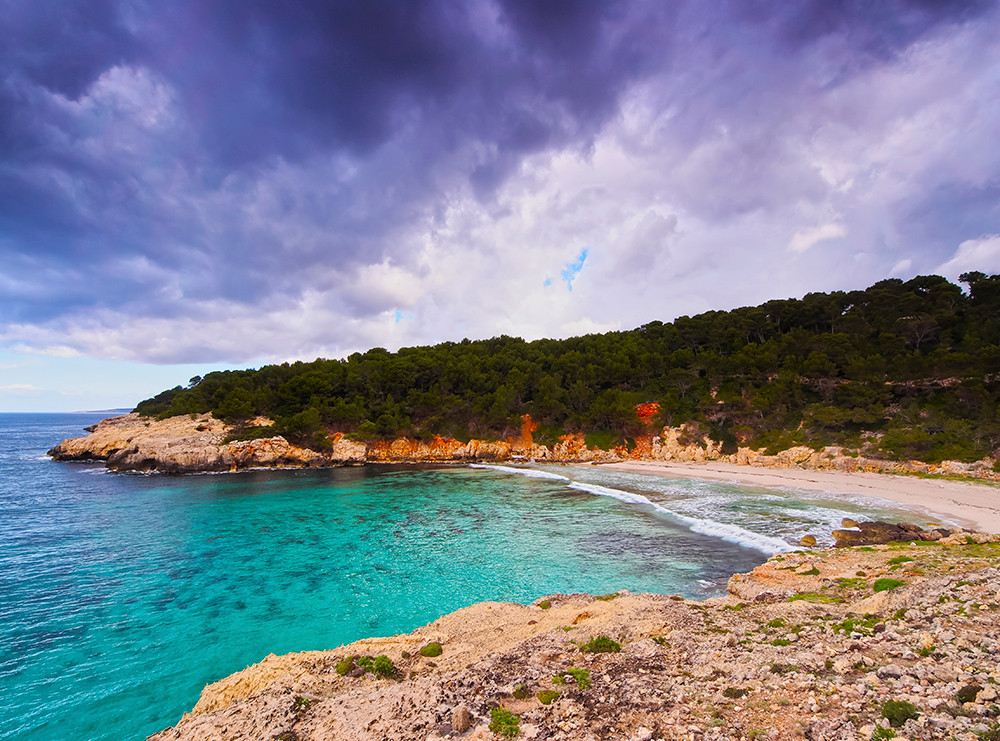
<point x="582" y="677"/>
<point x="899" y="560"/>
<point x="881" y="733"/>
<point x="302" y="703"/>
<point x="897" y="712"/>
<point x="781" y="642"/>
<point x="734" y="693"/>
<point x="381" y="665"/>
<point x="546" y="697"/>
<point x="545" y="604"/>
<point x="345" y="665"/>
<point x="967" y="694"/>
<point x="601" y="644"/>
<point x="776" y="623"/>
<point x="432" y="649"/>
<point x="505" y="723"/>
<point x="884" y="585"/>
<point x="607" y="597"/>
<point x="521" y="692"/>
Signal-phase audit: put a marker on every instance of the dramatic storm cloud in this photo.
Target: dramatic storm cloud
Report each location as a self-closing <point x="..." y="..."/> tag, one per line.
<point x="234" y="182"/>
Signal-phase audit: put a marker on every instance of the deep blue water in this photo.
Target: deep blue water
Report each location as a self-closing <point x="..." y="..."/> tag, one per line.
<point x="121" y="596"/>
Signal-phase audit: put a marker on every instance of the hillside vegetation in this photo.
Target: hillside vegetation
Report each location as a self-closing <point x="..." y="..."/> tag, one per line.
<point x="901" y="370"/>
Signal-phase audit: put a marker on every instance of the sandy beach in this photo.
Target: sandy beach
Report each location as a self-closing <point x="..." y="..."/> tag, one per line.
<point x="971" y="505"/>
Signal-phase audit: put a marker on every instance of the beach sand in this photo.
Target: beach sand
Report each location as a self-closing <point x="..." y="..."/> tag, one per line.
<point x="971" y="505"/>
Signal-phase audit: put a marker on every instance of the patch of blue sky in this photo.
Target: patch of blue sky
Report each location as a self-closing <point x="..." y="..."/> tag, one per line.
<point x="574" y="267"/>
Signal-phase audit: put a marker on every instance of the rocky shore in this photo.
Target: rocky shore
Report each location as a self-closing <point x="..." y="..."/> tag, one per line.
<point x="896" y="640"/>
<point x="192" y="443"/>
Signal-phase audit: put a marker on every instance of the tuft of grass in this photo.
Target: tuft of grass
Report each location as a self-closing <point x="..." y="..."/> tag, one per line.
<point x="601" y="644"/>
<point x="546" y="697"/>
<point x="734" y="693"/>
<point x="777" y="623"/>
<point x="345" y="665"/>
<point x="897" y="712"/>
<point x="505" y="723"/>
<point x="812" y="572"/>
<point x="521" y="692"/>
<point x="826" y="599"/>
<point x="781" y="642"/>
<point x="302" y="703"/>
<point x="899" y="560"/>
<point x="432" y="649"/>
<point x="884" y="585"/>
<point x="607" y="597"/>
<point x="580" y="676"/>
<point x="881" y="732"/>
<point x="545" y="604"/>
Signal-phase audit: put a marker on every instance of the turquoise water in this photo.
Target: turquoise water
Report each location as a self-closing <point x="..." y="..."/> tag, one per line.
<point x="121" y="596"/>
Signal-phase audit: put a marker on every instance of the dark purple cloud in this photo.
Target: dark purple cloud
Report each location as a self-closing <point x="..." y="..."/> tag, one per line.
<point x="203" y="160"/>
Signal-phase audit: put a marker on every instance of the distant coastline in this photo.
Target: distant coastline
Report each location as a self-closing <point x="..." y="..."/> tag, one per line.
<point x="197" y="443"/>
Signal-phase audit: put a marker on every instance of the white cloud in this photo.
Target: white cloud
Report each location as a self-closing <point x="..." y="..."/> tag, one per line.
<point x="982" y="254"/>
<point x="803" y="240"/>
<point x="20" y="388"/>
<point x="55" y="351"/>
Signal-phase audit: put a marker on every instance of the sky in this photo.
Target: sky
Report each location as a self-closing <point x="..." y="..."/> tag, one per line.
<point x="209" y="184"/>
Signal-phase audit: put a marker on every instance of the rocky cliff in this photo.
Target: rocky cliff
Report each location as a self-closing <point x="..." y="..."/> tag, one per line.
<point x="197" y="443"/>
<point x="853" y="643"/>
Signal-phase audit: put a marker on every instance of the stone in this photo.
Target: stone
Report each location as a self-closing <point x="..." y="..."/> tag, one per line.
<point x="808" y="540"/>
<point x="461" y="719"/>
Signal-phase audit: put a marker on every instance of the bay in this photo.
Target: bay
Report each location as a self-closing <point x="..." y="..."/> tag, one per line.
<point x="121" y="596"/>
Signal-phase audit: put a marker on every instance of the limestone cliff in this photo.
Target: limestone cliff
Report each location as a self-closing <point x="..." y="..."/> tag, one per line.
<point x="197" y="443"/>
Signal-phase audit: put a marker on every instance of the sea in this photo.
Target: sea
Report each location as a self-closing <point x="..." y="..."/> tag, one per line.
<point x="123" y="595"/>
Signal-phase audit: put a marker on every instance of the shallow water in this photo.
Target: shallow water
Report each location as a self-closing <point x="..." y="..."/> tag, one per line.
<point x="121" y="596"/>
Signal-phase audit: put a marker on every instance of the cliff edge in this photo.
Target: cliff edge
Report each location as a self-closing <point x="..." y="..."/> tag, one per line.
<point x="852" y="643"/>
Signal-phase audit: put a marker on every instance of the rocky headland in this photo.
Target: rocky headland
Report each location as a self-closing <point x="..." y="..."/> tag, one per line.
<point x="866" y="642"/>
<point x="193" y="443"/>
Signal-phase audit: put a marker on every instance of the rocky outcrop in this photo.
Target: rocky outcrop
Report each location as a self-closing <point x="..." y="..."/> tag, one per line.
<point x="190" y="443"/>
<point x="197" y="443"/>
<point x="810" y="645"/>
<point x="880" y="533"/>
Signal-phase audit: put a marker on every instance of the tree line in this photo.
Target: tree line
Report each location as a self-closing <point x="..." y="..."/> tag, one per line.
<point x="902" y="369"/>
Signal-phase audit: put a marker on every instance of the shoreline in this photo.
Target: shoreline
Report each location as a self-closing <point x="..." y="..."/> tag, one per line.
<point x="967" y="503"/>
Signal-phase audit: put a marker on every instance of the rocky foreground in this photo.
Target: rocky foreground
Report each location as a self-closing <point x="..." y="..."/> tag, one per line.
<point x="193" y="443"/>
<point x="898" y="640"/>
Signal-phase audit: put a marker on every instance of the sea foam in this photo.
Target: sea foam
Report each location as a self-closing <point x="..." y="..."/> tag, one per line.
<point x="729" y="533"/>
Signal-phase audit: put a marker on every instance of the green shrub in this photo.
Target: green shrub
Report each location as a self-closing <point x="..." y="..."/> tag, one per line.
<point x="381" y="665"/>
<point x="582" y="677"/>
<point x="546" y="697"/>
<point x="967" y="694"/>
<point x="505" y="723"/>
<point x="345" y="665"/>
<point x="899" y="560"/>
<point x="601" y="644"/>
<point x="521" y="692"/>
<point x="432" y="649"/>
<point x="776" y="623"/>
<point x="884" y="585"/>
<point x="881" y="733"/>
<point x="545" y="604"/>
<point x="781" y="642"/>
<point x="897" y="712"/>
<point x="302" y="703"/>
<point x="734" y="693"/>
